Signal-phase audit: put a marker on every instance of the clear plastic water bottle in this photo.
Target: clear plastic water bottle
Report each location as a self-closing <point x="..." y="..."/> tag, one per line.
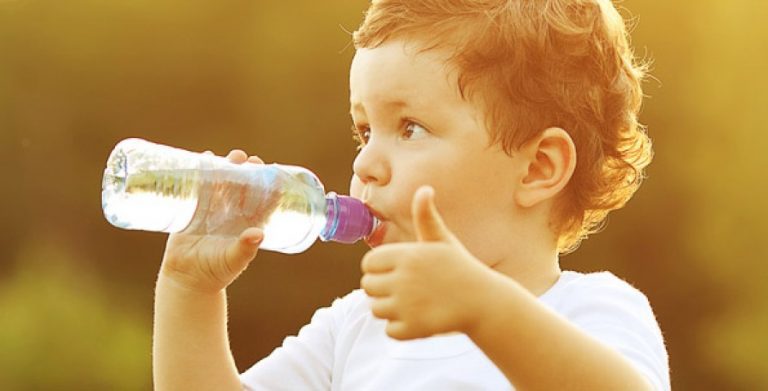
<point x="153" y="187"/>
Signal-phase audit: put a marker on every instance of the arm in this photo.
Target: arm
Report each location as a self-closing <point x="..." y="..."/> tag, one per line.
<point x="536" y="348"/>
<point x="191" y="347"/>
<point x="190" y="344"/>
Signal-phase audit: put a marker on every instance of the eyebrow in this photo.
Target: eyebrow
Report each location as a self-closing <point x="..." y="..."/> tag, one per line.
<point x="395" y="104"/>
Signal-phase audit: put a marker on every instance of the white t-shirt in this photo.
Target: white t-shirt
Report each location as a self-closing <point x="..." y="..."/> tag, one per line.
<point x="345" y="347"/>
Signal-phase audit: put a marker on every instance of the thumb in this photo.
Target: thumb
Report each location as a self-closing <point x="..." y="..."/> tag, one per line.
<point x="242" y="251"/>
<point x="427" y="222"/>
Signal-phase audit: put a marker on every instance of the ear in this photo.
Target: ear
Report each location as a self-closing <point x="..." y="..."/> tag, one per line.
<point x="550" y="159"/>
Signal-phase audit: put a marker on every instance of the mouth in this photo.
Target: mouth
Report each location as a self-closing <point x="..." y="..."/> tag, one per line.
<point x="376" y="237"/>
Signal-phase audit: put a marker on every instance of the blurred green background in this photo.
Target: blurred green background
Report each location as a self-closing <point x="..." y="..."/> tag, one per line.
<point x="270" y="77"/>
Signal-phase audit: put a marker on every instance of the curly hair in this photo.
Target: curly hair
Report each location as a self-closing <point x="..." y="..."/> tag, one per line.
<point x="536" y="64"/>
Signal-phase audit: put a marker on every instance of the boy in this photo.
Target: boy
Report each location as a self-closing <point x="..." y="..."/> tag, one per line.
<point x="494" y="136"/>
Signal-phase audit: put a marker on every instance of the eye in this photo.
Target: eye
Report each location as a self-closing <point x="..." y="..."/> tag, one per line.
<point x="414" y="131"/>
<point x="361" y="135"/>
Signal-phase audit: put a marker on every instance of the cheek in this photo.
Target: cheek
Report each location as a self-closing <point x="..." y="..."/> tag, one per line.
<point x="406" y="186"/>
<point x="465" y="198"/>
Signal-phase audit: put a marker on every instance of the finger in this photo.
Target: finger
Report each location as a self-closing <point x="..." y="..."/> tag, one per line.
<point x="398" y="329"/>
<point x="242" y="252"/>
<point x="427" y="222"/>
<point x="377" y="261"/>
<point x="384" y="309"/>
<point x="255" y="159"/>
<point x="237" y="156"/>
<point x="376" y="285"/>
<point x="253" y="235"/>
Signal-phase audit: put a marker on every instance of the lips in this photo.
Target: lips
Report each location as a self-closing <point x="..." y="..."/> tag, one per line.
<point x="376" y="237"/>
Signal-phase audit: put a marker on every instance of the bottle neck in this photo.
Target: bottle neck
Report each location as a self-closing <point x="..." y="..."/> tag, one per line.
<point x="347" y="219"/>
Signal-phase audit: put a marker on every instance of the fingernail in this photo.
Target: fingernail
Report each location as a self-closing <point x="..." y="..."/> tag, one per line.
<point x="258" y="238"/>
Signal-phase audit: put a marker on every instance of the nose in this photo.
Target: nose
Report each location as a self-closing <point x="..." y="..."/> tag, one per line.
<point x="370" y="165"/>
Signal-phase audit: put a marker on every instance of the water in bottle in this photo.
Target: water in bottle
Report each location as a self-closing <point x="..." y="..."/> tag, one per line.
<point x="152" y="187"/>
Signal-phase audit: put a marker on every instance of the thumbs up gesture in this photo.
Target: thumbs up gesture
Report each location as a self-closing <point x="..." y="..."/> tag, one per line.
<point x="425" y="287"/>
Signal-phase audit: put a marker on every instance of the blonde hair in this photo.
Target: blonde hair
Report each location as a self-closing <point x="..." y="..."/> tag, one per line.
<point x="536" y="64"/>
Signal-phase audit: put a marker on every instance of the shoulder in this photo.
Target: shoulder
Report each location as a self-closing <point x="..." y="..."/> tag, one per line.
<point x="613" y="311"/>
<point x="308" y="360"/>
<point x="600" y="302"/>
<point x="353" y="305"/>
<point x="603" y="289"/>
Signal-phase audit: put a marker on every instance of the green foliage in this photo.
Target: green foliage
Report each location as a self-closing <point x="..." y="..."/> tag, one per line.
<point x="60" y="328"/>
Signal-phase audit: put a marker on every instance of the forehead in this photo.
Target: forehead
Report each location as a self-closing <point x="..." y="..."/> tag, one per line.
<point x="398" y="73"/>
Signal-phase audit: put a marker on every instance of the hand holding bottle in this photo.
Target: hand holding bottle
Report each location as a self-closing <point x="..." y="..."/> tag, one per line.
<point x="209" y="263"/>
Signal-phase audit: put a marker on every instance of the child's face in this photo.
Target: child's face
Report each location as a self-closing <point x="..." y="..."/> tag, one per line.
<point x="418" y="130"/>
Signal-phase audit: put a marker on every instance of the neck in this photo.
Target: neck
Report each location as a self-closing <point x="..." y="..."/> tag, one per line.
<point x="531" y="258"/>
<point x="535" y="270"/>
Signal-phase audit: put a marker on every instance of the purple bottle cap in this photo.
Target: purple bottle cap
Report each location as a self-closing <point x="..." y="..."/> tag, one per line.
<point x="348" y="219"/>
